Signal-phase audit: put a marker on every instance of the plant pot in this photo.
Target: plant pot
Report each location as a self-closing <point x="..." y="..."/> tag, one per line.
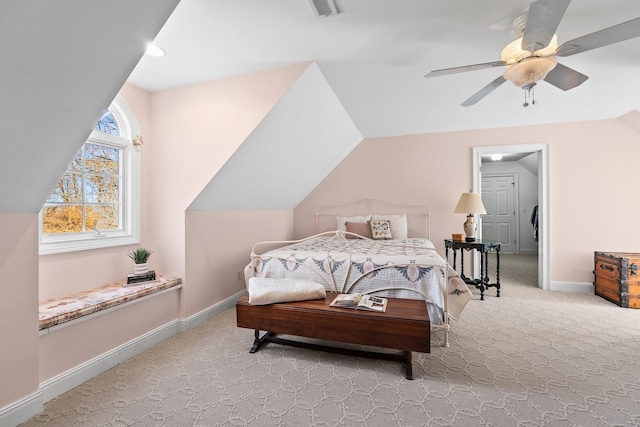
<point x="142" y="268"/>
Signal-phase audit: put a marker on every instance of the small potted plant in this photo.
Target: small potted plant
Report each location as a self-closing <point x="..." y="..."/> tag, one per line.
<point x="140" y="257"/>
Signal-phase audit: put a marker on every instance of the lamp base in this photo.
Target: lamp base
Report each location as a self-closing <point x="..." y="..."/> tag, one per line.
<point x="470" y="229"/>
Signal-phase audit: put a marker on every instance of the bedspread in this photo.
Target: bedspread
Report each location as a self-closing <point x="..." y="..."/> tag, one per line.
<point x="401" y="268"/>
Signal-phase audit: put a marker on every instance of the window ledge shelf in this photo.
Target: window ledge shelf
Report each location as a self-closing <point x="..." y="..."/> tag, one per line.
<point x="61" y="312"/>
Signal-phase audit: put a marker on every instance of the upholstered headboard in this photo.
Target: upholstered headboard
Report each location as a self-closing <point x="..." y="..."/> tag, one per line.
<point x="418" y="218"/>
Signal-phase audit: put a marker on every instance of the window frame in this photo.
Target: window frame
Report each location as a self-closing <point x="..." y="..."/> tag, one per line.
<point x="129" y="232"/>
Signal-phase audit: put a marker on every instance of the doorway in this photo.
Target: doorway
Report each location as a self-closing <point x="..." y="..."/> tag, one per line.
<point x="542" y="196"/>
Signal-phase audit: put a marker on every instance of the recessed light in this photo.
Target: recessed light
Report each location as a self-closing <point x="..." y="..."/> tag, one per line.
<point x="153" y="50"/>
<point x="496" y="157"/>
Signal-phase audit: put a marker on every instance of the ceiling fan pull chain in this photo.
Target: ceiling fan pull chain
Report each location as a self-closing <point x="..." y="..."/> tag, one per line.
<point x="533" y="96"/>
<point x="529" y="93"/>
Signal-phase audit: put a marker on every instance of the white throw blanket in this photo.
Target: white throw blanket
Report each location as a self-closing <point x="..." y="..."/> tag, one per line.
<point x="263" y="290"/>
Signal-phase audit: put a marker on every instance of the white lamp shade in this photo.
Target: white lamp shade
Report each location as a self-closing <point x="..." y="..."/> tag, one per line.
<point x="470" y="203"/>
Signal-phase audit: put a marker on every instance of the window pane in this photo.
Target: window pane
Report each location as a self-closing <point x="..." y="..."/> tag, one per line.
<point x="107" y="124"/>
<point x="101" y="189"/>
<point x="62" y="219"/>
<point x="68" y="190"/>
<point x="76" y="163"/>
<point x="103" y="217"/>
<point x="101" y="159"/>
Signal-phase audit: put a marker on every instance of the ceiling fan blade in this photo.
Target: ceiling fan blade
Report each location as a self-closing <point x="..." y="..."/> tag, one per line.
<point x="542" y="22"/>
<point x="565" y="78"/>
<point x="617" y="33"/>
<point x="465" y="68"/>
<point x="484" y="92"/>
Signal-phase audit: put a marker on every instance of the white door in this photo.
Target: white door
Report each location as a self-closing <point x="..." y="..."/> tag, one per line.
<point x="499" y="223"/>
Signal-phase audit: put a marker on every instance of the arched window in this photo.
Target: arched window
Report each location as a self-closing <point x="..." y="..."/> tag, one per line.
<point x="95" y="203"/>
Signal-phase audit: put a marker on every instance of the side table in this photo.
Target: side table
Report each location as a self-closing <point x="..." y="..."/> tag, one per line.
<point x="482" y="246"/>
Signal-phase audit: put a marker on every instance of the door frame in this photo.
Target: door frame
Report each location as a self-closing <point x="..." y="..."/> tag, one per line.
<point x="516" y="204"/>
<point x="544" y="258"/>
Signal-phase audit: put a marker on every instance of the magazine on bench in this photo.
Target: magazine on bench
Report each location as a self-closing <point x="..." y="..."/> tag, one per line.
<point x="360" y="301"/>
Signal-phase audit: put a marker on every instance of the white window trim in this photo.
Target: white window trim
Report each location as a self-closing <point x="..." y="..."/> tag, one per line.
<point x="130" y="232"/>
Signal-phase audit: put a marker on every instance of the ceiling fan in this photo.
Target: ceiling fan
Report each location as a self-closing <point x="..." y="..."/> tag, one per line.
<point x="530" y="58"/>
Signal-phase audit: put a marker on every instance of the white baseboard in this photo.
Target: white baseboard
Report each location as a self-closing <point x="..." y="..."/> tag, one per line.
<point x="572" y="287"/>
<point x="65" y="381"/>
<point x="209" y="312"/>
<point x="30" y="406"/>
<point x="22" y="410"/>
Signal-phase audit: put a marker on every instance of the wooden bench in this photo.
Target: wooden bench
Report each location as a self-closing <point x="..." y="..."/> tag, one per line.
<point x="403" y="326"/>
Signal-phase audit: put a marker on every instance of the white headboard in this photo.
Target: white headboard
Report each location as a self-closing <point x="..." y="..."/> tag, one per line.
<point x="418" y="217"/>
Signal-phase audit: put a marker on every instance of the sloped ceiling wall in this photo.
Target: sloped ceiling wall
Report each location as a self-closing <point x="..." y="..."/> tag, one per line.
<point x="631" y="119"/>
<point x="62" y="63"/>
<point x="297" y="144"/>
<point x="530" y="163"/>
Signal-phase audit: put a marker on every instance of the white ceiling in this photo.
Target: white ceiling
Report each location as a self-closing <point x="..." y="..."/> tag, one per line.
<point x="375" y="53"/>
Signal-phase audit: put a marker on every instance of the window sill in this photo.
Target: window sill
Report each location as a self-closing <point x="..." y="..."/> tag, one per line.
<point x="90" y="242"/>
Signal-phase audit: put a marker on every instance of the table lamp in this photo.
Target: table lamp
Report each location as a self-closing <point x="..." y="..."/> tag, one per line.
<point x="470" y="204"/>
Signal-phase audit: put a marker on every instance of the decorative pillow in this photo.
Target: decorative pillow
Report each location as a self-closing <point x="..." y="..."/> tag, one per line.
<point x="380" y="229"/>
<point x="342" y="220"/>
<point x="361" y="228"/>
<point x="398" y="224"/>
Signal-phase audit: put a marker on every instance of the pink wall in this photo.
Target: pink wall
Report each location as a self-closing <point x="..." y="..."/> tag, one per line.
<point x="593" y="180"/>
<point x="196" y="129"/>
<point x="18" y="306"/>
<point x="219" y="244"/>
<point x="429" y="170"/>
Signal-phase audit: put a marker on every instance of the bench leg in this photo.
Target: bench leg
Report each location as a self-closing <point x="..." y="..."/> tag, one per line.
<point x="408" y="365"/>
<point x="257" y="341"/>
<point x="405" y="357"/>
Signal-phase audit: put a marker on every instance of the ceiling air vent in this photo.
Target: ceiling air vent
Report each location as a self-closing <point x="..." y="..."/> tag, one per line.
<point x="323" y="8"/>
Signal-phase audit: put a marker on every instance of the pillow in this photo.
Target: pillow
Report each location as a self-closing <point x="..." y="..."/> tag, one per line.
<point x="361" y="228"/>
<point x="380" y="229"/>
<point x="398" y="224"/>
<point x="342" y="220"/>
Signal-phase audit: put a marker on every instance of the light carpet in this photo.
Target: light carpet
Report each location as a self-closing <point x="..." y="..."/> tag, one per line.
<point x="528" y="358"/>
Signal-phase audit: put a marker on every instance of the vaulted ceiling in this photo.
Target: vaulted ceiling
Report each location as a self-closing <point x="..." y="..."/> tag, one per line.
<point x="62" y="62"/>
<point x="374" y="54"/>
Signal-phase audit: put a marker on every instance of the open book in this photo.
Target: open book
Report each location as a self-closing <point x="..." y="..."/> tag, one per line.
<point x="366" y="302"/>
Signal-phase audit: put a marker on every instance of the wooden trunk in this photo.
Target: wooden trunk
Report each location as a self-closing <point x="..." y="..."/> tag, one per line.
<point x="617" y="278"/>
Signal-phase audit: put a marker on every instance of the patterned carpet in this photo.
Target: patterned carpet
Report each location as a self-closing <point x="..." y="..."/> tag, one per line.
<point x="528" y="358"/>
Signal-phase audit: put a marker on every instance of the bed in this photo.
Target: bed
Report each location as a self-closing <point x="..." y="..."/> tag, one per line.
<point x="371" y="247"/>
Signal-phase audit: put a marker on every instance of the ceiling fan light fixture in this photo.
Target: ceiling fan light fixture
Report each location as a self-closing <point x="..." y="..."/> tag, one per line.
<point x="529" y="70"/>
<point x="526" y="67"/>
